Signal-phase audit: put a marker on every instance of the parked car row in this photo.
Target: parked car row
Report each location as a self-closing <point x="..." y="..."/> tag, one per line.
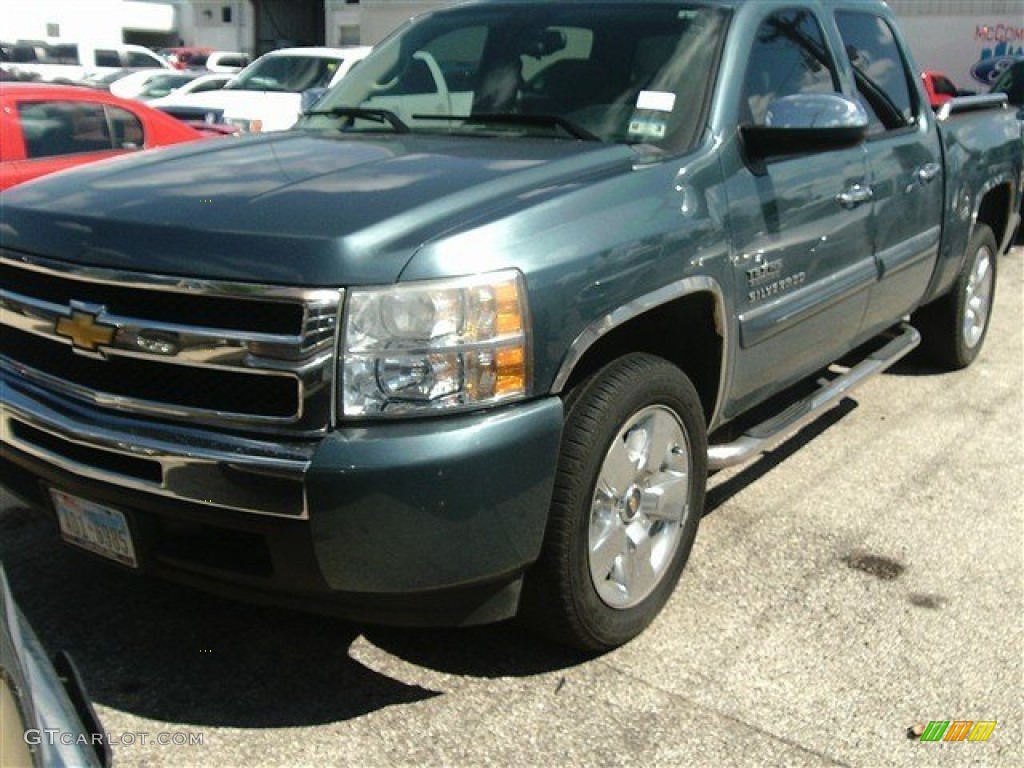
<point x="48" y="127"/>
<point x="73" y="62"/>
<point x="146" y="84"/>
<point x="267" y="95"/>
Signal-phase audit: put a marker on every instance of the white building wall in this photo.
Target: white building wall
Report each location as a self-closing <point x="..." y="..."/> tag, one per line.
<point x="223" y="25"/>
<point x="100" y="22"/>
<point x="379" y="18"/>
<point x="342" y="23"/>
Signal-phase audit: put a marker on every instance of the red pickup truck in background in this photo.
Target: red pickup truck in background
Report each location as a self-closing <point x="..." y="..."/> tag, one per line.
<point x="940" y="88"/>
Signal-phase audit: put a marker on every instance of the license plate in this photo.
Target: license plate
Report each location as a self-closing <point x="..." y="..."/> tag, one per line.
<point x="94" y="527"/>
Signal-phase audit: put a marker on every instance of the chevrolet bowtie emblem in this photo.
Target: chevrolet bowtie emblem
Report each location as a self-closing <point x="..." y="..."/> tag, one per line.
<point x="85" y="333"/>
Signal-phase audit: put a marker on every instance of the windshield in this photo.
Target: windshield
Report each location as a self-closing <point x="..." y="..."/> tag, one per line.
<point x="621" y="72"/>
<point x="291" y="74"/>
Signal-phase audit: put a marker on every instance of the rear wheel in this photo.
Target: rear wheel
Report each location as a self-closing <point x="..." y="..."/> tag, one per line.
<point x="628" y="498"/>
<point x="954" y="327"/>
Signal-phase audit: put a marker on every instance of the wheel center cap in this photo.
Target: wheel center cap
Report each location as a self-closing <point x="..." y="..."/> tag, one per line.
<point x="631" y="504"/>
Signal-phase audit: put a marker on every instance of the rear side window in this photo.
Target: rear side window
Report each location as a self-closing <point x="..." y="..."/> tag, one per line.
<point x="789" y="57"/>
<point x="107" y="58"/>
<point x="54" y="128"/>
<point x="125" y="128"/>
<point x="884" y="81"/>
<point x="23" y="54"/>
<point x="63" y="54"/>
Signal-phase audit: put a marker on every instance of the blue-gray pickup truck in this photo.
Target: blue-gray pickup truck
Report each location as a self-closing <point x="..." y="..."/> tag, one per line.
<point x="466" y="343"/>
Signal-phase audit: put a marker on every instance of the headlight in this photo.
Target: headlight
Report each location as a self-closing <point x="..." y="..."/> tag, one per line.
<point x="437" y="345"/>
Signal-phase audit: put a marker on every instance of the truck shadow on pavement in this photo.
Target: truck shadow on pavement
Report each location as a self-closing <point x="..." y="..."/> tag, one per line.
<point x="719" y="492"/>
<point x="168" y="653"/>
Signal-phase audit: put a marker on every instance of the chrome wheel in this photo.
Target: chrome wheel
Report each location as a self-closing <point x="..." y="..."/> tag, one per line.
<point x="954" y="326"/>
<point x="625" y="507"/>
<point x="980" y="284"/>
<point x="639" y="506"/>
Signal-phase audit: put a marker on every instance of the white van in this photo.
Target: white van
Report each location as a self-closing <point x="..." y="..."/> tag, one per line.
<point x="73" y="62"/>
<point x="267" y="95"/>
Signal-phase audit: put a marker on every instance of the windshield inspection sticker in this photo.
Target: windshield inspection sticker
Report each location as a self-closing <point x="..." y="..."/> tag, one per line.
<point x="659" y="101"/>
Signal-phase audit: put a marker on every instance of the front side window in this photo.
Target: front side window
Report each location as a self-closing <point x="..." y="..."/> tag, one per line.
<point x="65" y="53"/>
<point x="637" y="73"/>
<point x="884" y="81"/>
<point x="54" y="128"/>
<point x="789" y="57"/>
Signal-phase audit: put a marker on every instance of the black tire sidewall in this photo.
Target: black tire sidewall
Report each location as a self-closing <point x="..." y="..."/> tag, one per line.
<point x="982" y="238"/>
<point x="600" y="410"/>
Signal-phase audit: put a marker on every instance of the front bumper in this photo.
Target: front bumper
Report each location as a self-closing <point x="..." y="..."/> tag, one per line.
<point x="418" y="522"/>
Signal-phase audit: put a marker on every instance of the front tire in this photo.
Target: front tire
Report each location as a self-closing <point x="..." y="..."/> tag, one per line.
<point x="629" y="494"/>
<point x="953" y="328"/>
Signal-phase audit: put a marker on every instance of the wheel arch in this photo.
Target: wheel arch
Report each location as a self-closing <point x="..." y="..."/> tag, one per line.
<point x="994" y="211"/>
<point x="655" y="324"/>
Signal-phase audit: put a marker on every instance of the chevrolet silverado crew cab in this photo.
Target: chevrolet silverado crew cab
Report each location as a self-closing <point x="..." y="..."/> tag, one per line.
<point x="466" y="342"/>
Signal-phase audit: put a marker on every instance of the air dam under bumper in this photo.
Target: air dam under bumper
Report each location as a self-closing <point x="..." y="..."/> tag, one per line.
<point x="425" y="522"/>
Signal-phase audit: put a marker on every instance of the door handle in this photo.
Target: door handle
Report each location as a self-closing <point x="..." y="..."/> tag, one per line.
<point x="855" y="195"/>
<point x="927" y="172"/>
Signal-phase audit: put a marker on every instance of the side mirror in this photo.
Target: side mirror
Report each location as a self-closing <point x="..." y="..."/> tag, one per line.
<point x="806" y="122"/>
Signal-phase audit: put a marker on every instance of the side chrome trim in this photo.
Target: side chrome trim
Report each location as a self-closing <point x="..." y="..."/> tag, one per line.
<point x="671" y="292"/>
<point x="969" y="104"/>
<point x="186" y="464"/>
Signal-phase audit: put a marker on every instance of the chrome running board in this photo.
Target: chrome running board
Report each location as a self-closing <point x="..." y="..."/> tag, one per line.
<point x="762" y="437"/>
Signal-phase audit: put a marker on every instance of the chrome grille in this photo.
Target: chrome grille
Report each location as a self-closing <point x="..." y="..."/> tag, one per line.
<point x="217" y="353"/>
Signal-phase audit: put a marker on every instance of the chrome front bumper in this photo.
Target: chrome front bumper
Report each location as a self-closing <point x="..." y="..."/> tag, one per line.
<point x="207" y="468"/>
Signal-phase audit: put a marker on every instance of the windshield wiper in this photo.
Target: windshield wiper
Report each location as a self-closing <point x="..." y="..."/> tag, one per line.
<point x="510" y="118"/>
<point x="383" y="116"/>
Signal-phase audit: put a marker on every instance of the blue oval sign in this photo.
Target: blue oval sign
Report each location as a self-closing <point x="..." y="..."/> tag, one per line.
<point x="987" y="71"/>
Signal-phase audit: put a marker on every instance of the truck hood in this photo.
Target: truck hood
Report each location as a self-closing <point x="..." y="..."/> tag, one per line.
<point x="290" y="208"/>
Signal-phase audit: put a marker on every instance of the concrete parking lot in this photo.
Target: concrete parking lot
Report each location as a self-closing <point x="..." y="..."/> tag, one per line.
<point x="864" y="577"/>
